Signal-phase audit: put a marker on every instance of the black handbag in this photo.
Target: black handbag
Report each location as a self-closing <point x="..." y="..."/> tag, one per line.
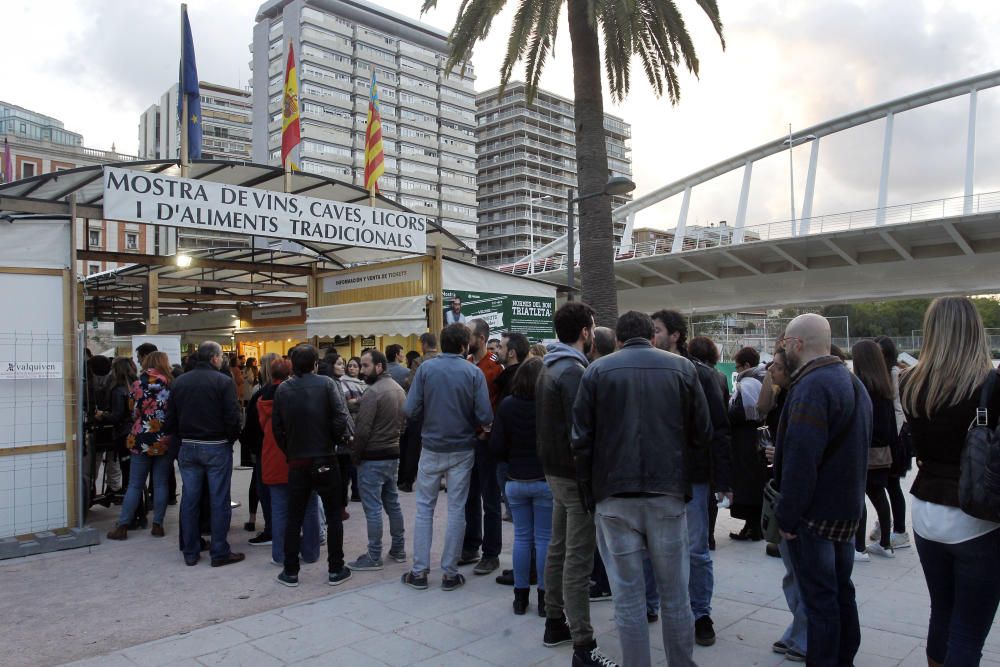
<point x="979" y="476"/>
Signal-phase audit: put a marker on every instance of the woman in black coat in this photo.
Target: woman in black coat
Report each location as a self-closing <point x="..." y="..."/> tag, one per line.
<point x="749" y="467"/>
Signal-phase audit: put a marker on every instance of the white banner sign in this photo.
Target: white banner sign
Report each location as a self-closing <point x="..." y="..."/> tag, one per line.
<point x="384" y="276"/>
<point x="157" y="199"/>
<point x="31" y="370"/>
<point x="277" y="312"/>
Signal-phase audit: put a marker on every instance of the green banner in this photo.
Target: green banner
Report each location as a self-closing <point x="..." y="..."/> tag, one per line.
<point x="530" y="315"/>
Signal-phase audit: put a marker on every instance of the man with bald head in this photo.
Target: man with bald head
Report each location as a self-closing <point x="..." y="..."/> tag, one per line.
<point x="820" y="464"/>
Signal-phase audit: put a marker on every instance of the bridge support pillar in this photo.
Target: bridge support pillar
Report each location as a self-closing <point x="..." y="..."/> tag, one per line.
<point x="883" y="183"/>
<point x="741" y="209"/>
<point x="682" y="222"/>
<point x="970" y="155"/>
<point x="807" y="201"/>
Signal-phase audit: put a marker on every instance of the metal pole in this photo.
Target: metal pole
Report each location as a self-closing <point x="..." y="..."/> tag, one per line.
<point x="184" y="103"/>
<point x="791" y="177"/>
<point x="570" y="245"/>
<point x="531" y="231"/>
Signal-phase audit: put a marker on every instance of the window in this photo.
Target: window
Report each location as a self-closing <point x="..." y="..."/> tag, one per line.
<point x="27" y="169"/>
<point x="94" y="238"/>
<point x="93" y="268"/>
<point x="131" y="241"/>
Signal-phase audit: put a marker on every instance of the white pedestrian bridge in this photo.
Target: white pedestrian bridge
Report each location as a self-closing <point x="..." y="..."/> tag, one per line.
<point x="927" y="248"/>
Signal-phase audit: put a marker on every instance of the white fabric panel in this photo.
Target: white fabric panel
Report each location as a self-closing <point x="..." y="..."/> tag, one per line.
<point x="471" y="278"/>
<point x="293" y="331"/>
<point x="389" y="317"/>
<point x="37" y="243"/>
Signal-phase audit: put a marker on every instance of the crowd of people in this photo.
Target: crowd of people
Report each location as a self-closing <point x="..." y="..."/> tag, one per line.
<point x="610" y="451"/>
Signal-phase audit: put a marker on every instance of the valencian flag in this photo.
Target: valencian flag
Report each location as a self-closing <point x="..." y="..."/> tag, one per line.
<point x="374" y="158"/>
<point x="188" y="86"/>
<point x="290" y="134"/>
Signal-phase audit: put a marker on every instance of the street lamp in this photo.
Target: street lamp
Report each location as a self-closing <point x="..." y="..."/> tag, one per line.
<point x="791" y="169"/>
<point x="531" y="227"/>
<point x="183" y="261"/>
<point x="617" y="185"/>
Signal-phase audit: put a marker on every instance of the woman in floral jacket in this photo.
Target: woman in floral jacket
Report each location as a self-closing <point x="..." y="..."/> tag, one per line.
<point x="148" y="443"/>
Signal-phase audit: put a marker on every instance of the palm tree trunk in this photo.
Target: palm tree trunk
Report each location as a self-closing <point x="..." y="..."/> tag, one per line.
<point x="596" y="231"/>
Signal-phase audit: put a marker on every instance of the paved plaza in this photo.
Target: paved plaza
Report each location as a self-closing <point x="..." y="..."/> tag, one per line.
<point x="135" y="603"/>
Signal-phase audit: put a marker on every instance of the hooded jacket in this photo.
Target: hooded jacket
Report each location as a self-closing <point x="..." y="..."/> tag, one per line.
<point x="555" y="392"/>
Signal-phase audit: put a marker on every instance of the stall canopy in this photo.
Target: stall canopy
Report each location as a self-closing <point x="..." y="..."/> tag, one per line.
<point x="389" y="317"/>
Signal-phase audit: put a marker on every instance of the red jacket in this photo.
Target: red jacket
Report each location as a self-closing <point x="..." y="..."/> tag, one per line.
<point x="492" y="370"/>
<point x="273" y="464"/>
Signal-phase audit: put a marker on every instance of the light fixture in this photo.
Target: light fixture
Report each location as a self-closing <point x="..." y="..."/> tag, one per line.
<point x="619" y="185"/>
<point x="183" y="261"/>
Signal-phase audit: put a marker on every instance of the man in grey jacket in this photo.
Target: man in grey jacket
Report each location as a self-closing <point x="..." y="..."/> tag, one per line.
<point x="377" y="427"/>
<point x="449" y="394"/>
<point x="639" y="415"/>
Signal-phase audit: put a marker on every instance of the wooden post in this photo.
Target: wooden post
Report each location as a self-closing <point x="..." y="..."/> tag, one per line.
<point x="153" y="299"/>
<point x="436" y="319"/>
<point x="74" y="474"/>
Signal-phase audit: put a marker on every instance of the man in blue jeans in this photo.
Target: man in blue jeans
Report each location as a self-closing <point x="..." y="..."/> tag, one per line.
<point x="204" y="414"/>
<point x="377" y="426"/>
<point x="708" y="469"/>
<point x="639" y="414"/>
<point x="820" y="465"/>
<point x="449" y="394"/>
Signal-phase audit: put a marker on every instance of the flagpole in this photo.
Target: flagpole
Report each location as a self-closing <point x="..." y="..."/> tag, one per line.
<point x="184" y="103"/>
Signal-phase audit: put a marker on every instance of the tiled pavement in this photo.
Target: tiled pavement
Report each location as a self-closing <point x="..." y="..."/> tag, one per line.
<point x="134" y="603"/>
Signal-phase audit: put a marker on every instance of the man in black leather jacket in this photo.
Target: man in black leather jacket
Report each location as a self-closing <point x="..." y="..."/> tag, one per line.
<point x="310" y="418"/>
<point x="639" y="415"/>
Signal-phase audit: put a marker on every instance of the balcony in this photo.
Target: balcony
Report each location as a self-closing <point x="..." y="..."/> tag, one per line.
<point x="329" y="23"/>
<point x="496" y="175"/>
<point x="329" y="118"/>
<point x="464" y="197"/>
<point x="417" y="53"/>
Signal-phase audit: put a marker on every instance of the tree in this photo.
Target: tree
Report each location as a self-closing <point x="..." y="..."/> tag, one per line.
<point x="652" y="30"/>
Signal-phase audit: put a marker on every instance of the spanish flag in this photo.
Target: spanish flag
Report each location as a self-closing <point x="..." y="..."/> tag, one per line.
<point x="374" y="163"/>
<point x="290" y="135"/>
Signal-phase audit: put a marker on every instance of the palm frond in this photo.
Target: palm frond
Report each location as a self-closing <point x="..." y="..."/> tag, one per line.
<point x="542" y="42"/>
<point x="471" y="26"/>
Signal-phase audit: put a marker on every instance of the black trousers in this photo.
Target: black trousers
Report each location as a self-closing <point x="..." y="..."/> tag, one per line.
<point x="410" y="445"/>
<point x="300" y="488"/>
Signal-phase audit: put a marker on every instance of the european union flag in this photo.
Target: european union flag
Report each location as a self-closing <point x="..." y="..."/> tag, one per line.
<point x="188" y="86"/>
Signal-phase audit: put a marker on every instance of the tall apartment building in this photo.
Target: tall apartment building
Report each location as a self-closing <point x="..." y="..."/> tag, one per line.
<point x="527" y="159"/>
<point x="225" y="125"/>
<point x="41" y="144"/>
<point x="428" y="117"/>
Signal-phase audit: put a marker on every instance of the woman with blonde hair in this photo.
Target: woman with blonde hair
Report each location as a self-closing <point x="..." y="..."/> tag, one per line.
<point x="958" y="553"/>
<point x="147" y="443"/>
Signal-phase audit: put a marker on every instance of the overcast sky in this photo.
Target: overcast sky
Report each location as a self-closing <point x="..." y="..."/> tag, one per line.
<point x="97" y="64"/>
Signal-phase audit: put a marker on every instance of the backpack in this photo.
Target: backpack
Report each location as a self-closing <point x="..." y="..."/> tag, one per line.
<point x="979" y="477"/>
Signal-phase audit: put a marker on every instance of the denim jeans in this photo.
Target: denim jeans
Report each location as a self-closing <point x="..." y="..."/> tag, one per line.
<point x="531" y="509"/>
<point x="377" y="481"/>
<point x="795" y="636"/>
<point x="458" y="466"/>
<point x="279" y="520"/>
<point x="570" y="560"/>
<point x="626" y="529"/>
<point x="600" y="578"/>
<point x="823" y="570"/>
<point x="964" y="583"/>
<point x="302" y="491"/>
<point x="141" y="466"/>
<point x="198" y="464"/>
<point x="483" y="523"/>
<point x="702" y="578"/>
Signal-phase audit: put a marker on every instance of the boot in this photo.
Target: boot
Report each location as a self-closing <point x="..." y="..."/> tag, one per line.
<point x="521" y="600"/>
<point x="541" y="603"/>
<point x="119" y="533"/>
<point x="157" y="530"/>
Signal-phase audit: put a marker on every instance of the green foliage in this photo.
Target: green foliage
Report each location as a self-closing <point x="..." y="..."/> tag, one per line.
<point x="900" y="318"/>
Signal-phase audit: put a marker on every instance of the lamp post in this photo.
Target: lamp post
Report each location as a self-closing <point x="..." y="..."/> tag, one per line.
<point x="617" y="185"/>
<point x="531" y="227"/>
<point x="791" y="168"/>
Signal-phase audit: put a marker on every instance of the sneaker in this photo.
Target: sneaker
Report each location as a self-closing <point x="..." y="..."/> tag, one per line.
<point x="862" y="557"/>
<point x="276" y="563"/>
<point x="417" y="581"/>
<point x="232" y="558"/>
<point x="366" y="563"/>
<point x="260" y="540"/>
<point x="779" y="647"/>
<point x="795" y="656"/>
<point x="285" y="579"/>
<point x="451" y="583"/>
<point x="876" y="534"/>
<point x="879" y="550"/>
<point x="556" y="632"/>
<point x="652" y="617"/>
<point x="398" y="556"/>
<point x="486" y="565"/>
<point x="339" y="577"/>
<point x="900" y="540"/>
<point x="704" y="631"/>
<point x="598" y="594"/>
<point x="587" y="656"/>
<point x="469" y="557"/>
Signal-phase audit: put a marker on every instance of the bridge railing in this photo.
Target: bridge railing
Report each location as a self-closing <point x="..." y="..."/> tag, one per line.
<point x="723" y="235"/>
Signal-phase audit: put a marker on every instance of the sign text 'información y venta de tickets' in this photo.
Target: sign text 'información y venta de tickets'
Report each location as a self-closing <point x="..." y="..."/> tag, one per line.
<point x="138" y="196"/>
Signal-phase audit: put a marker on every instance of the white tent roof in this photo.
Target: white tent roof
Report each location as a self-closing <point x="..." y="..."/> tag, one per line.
<point x="389" y="317"/>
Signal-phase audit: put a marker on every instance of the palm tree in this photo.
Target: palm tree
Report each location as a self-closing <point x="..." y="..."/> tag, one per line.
<point x="653" y="30"/>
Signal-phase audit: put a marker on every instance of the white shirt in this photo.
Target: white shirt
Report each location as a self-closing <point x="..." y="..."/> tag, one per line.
<point x="945" y="524"/>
